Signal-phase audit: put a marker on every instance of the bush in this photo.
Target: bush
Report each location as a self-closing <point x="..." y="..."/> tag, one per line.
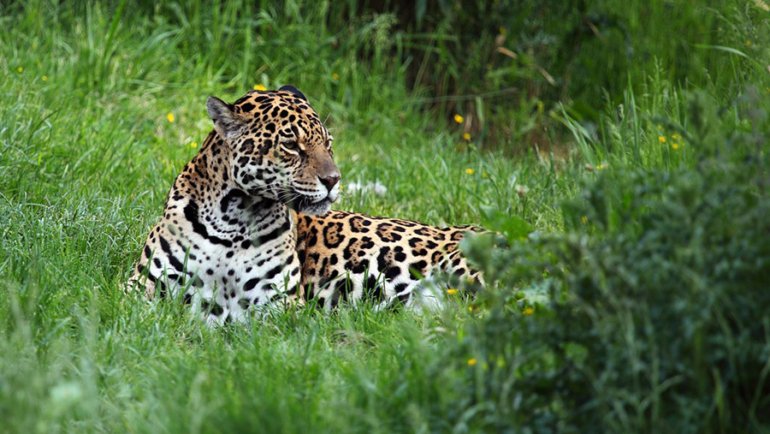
<point x="505" y="65"/>
<point x="656" y="317"/>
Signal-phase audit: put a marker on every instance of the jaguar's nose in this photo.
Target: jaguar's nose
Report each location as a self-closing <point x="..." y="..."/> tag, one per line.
<point x="330" y="180"/>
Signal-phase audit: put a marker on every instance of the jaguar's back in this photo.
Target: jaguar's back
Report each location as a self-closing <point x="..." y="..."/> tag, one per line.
<point x="349" y="256"/>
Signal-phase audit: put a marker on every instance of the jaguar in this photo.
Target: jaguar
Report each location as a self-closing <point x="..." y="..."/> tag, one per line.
<point x="247" y="224"/>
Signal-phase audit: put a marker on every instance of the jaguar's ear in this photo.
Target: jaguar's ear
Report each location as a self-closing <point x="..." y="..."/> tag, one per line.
<point x="227" y="123"/>
<point x="291" y="89"/>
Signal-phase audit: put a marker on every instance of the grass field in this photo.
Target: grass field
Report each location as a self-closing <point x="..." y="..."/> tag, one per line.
<point x="638" y="304"/>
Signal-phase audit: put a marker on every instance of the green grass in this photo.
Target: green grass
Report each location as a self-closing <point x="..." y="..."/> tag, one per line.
<point x="87" y="156"/>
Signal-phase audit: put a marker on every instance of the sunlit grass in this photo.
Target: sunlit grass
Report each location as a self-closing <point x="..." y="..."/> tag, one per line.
<point x="103" y="106"/>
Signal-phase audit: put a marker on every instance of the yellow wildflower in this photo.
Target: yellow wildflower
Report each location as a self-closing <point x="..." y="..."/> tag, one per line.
<point x="584" y="220"/>
<point x="662" y="139"/>
<point x="451" y="291"/>
<point x="44" y="78"/>
<point x="458" y="119"/>
<point x="676" y="136"/>
<point x="194" y="145"/>
<point x="472" y="361"/>
<point x="469" y="171"/>
<point x="467" y="137"/>
<point x="675" y="146"/>
<point x="260" y="87"/>
<point x="335" y="76"/>
<point x="170" y="117"/>
<point x="20" y="69"/>
<point x="528" y="311"/>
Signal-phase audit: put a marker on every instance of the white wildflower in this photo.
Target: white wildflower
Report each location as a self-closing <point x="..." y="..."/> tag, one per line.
<point x="365" y="187"/>
<point x="521" y="190"/>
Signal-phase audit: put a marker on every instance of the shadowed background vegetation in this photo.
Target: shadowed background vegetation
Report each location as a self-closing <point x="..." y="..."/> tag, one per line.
<point x="620" y="146"/>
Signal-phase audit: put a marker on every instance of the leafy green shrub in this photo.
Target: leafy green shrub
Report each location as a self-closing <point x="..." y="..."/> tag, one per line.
<point x="504" y="65"/>
<point x="656" y="316"/>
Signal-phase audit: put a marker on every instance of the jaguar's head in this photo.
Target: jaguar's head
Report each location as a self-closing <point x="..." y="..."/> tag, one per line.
<point x="279" y="148"/>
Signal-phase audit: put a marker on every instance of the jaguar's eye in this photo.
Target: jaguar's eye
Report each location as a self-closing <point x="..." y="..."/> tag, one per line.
<point x="291" y="145"/>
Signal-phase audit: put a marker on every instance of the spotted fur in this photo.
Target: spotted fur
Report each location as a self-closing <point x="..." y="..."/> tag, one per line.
<point x="350" y="257"/>
<point x="247" y="223"/>
<point x="227" y="239"/>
